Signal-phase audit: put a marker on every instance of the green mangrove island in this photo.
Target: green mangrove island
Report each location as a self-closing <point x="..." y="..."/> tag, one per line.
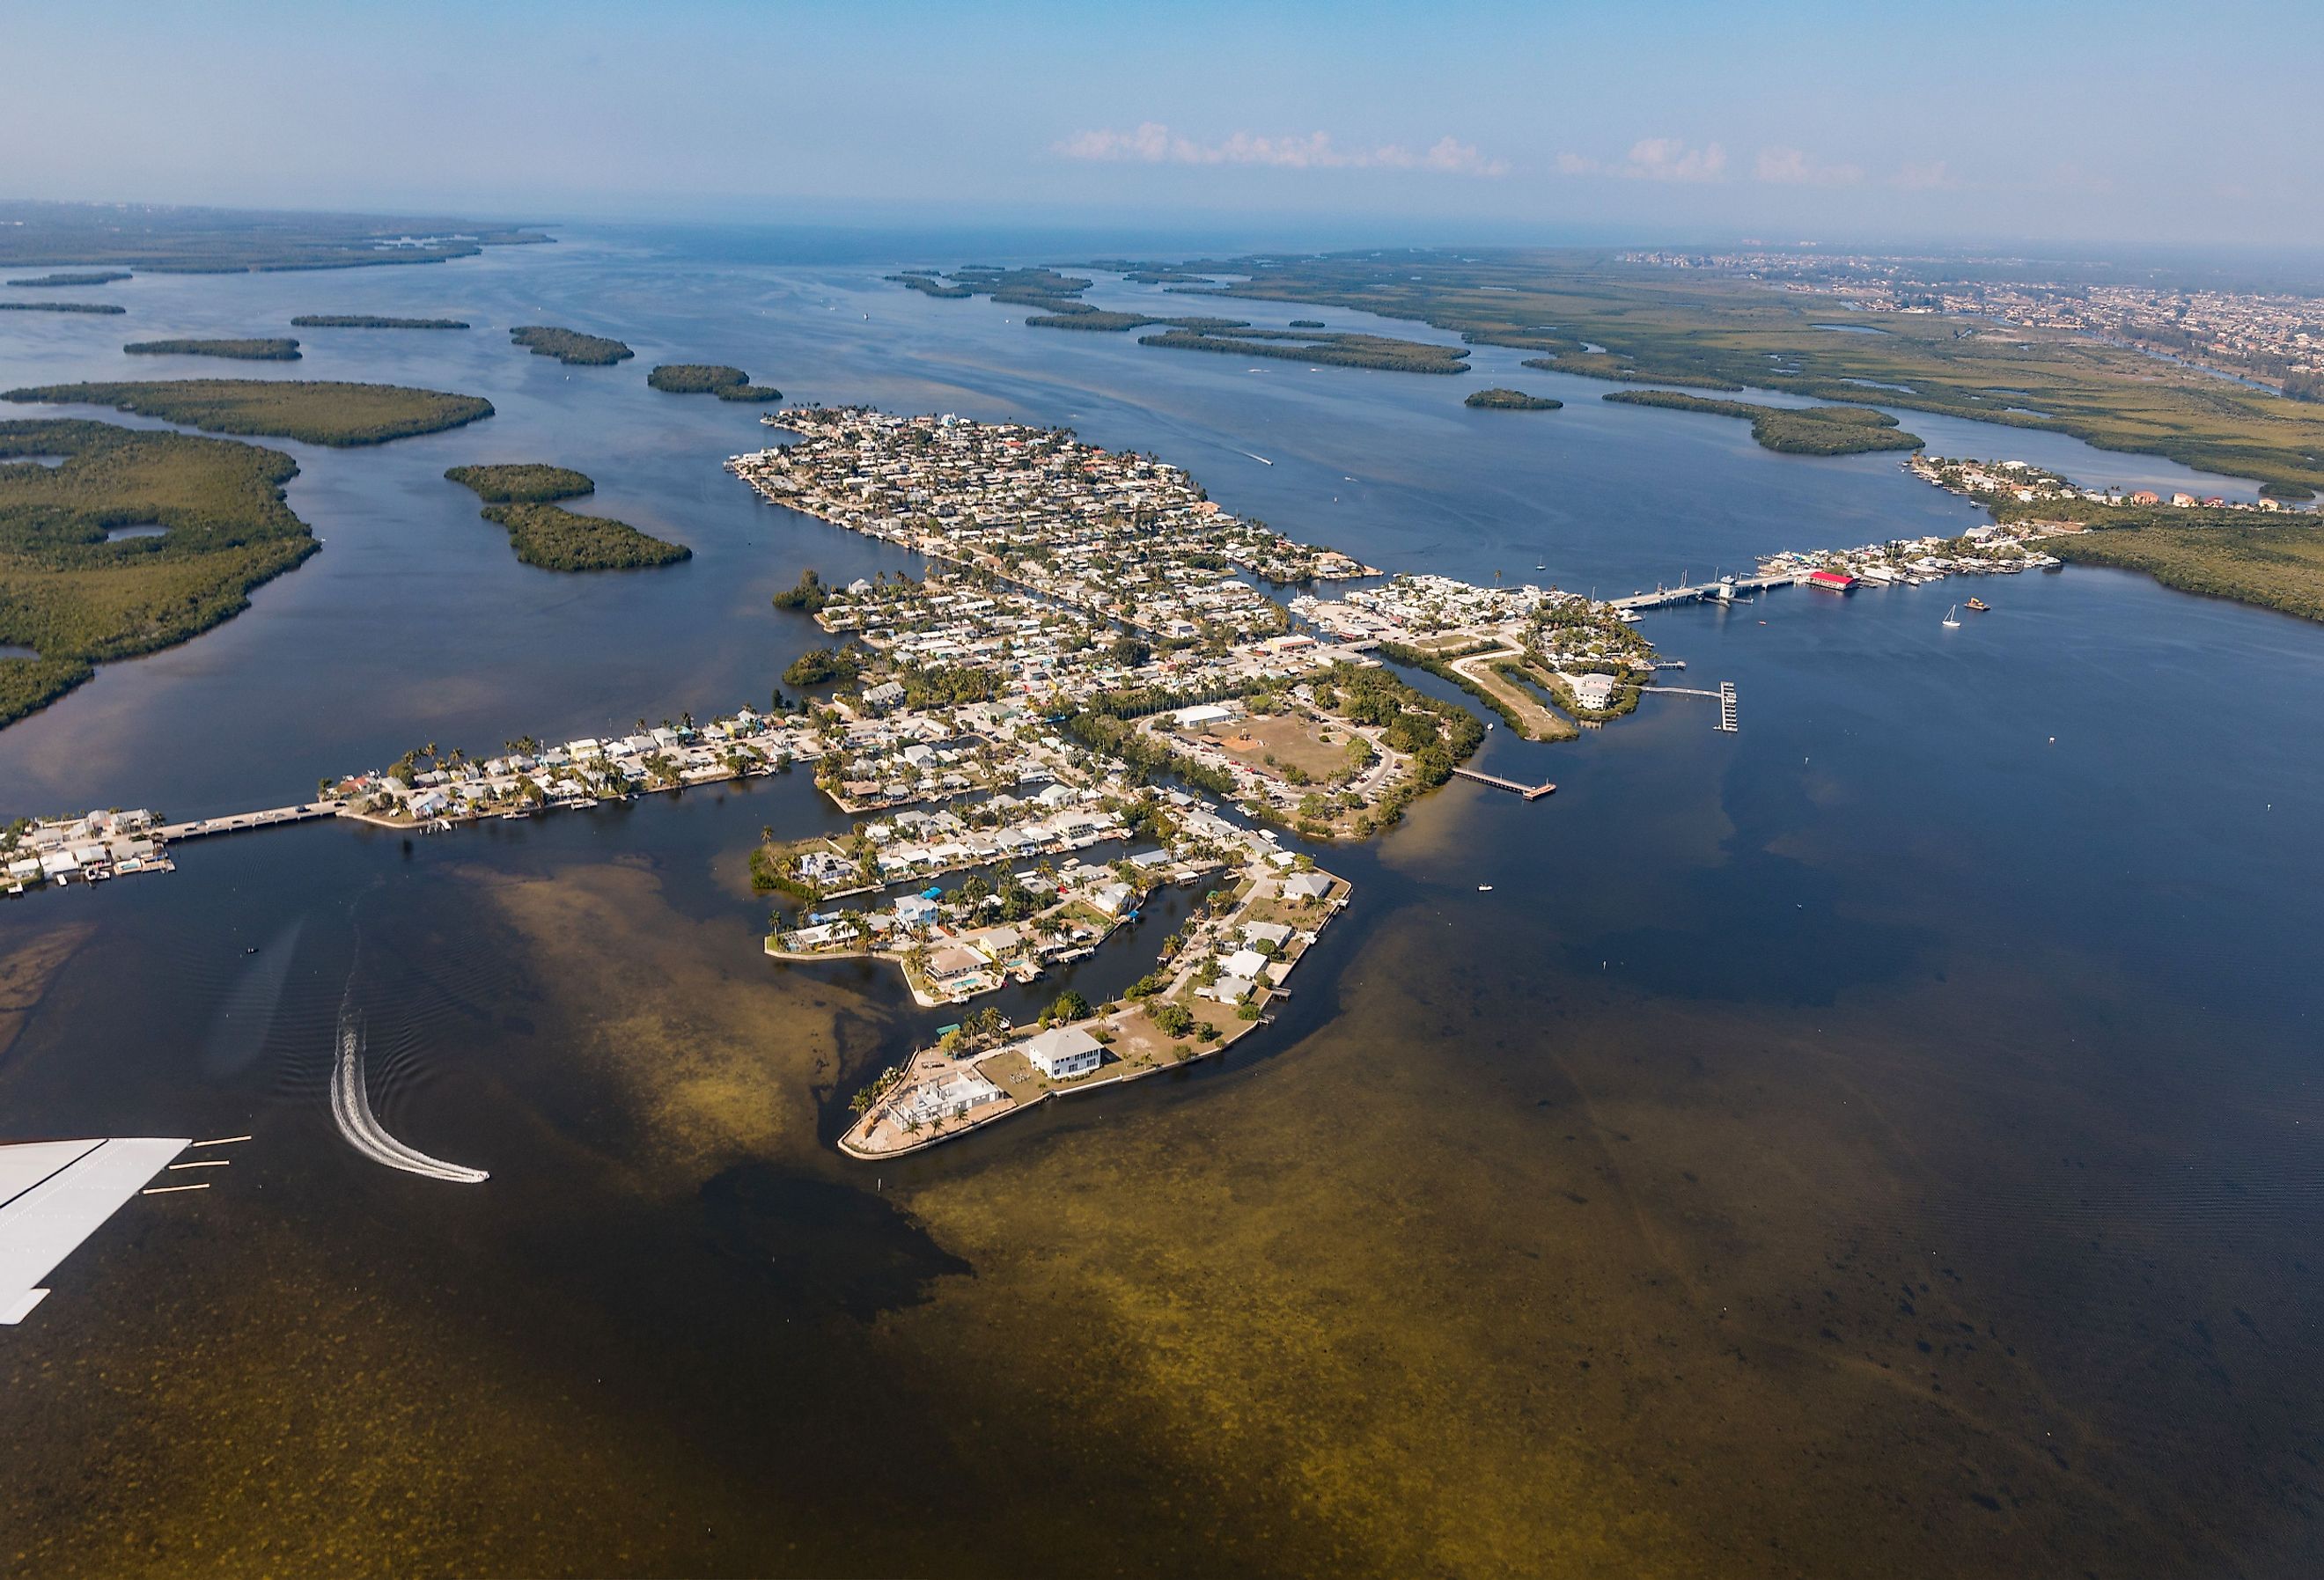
<point x="527" y="484"/>
<point x="1341" y="348"/>
<point x="92" y="277"/>
<point x="76" y="595"/>
<point x="316" y="411"/>
<point x="710" y="378"/>
<point x="1057" y="299"/>
<point x="60" y="307"/>
<point x="570" y="345"/>
<point x="1499" y="400"/>
<point x="1588" y="312"/>
<point x="371" y="321"/>
<point x="283" y="350"/>
<point x="1811" y="430"/>
<point x="555" y="539"/>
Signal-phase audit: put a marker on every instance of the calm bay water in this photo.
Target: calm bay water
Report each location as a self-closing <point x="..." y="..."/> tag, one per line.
<point x="1889" y="1131"/>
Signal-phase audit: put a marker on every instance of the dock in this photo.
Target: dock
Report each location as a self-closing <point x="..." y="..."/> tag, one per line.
<point x="1532" y="792"/>
<point x="1724" y="697"/>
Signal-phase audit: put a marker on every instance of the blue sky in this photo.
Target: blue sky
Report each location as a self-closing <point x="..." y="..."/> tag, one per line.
<point x="2120" y="122"/>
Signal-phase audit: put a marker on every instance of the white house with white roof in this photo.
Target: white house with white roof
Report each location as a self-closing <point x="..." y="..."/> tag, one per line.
<point x="1063" y="1052"/>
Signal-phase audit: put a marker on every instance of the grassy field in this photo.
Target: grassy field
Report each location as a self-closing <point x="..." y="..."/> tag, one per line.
<point x="76" y="598"/>
<point x="556" y="538"/>
<point x="283" y="350"/>
<point x="1675" y="327"/>
<point x="1282" y="741"/>
<point x="2278" y="567"/>
<point x="570" y="347"/>
<point x="527" y="484"/>
<point x="710" y="378"/>
<point x="1813" y="431"/>
<point x="336" y="414"/>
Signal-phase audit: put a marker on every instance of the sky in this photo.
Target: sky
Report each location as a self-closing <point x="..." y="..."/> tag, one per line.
<point x="1480" y="121"/>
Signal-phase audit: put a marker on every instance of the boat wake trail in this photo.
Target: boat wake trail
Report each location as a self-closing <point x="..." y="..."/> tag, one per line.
<point x="351" y="1108"/>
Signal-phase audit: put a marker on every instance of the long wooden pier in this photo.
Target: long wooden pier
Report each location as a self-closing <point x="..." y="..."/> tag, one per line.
<point x="1532" y="792"/>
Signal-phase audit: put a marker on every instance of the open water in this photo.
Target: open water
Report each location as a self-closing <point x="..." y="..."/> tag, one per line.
<point x="1883" y="1141"/>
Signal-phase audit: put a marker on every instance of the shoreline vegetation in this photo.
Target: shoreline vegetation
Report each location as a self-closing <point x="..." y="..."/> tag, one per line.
<point x="710" y="378"/>
<point x="77" y="597"/>
<point x="527" y="483"/>
<point x="1587" y="313"/>
<point x="89" y="277"/>
<point x="371" y="321"/>
<point x="1338" y="348"/>
<point x="570" y="347"/>
<point x="1501" y="400"/>
<point x="166" y="238"/>
<point x="1057" y="298"/>
<point x="517" y="499"/>
<point x="1792" y="431"/>
<point x="263" y="350"/>
<point x="340" y="415"/>
<point x="104" y="308"/>
<point x="2277" y="566"/>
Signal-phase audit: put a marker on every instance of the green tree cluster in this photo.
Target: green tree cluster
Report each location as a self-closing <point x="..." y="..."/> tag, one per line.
<point x="316" y="411"/>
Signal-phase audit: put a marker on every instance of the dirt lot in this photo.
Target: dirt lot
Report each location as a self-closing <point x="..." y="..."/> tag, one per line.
<point x="1291" y="740"/>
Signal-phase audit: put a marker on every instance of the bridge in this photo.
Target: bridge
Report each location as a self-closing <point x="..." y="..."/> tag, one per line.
<point x="1532" y="792"/>
<point x="235" y="822"/>
<point x="1703" y="592"/>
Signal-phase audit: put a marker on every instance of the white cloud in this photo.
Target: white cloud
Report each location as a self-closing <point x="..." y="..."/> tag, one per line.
<point x="1654" y="159"/>
<point x="1788" y="167"/>
<point x="1153" y="142"/>
<point x="1931" y="177"/>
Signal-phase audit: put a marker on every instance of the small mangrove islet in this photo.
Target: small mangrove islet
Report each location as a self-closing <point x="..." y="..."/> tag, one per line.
<point x="371" y="321"/>
<point x="710" y="378"/>
<point x="570" y="347"/>
<point x="265" y="350"/>
<point x="552" y="537"/>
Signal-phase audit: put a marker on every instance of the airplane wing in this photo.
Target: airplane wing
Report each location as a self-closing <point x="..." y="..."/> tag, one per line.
<point x="54" y="1194"/>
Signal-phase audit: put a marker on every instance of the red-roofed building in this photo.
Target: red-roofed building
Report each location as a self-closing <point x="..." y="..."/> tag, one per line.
<point x="1837" y="581"/>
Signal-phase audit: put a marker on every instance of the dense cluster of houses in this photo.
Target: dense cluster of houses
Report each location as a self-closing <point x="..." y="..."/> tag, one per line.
<point x="1121" y="536"/>
<point x="87" y="849"/>
<point x="1992" y="481"/>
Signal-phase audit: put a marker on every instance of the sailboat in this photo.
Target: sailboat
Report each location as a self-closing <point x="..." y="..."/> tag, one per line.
<point x="1953" y="617"/>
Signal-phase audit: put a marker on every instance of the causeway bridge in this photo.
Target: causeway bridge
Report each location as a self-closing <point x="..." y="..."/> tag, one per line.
<point x="1703" y="592"/>
<point x="235" y="823"/>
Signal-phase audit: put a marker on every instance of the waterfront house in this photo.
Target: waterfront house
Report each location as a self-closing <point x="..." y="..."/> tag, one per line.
<point x="1244" y="963"/>
<point x="1063" y="1052"/>
<point x="1306" y="886"/>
